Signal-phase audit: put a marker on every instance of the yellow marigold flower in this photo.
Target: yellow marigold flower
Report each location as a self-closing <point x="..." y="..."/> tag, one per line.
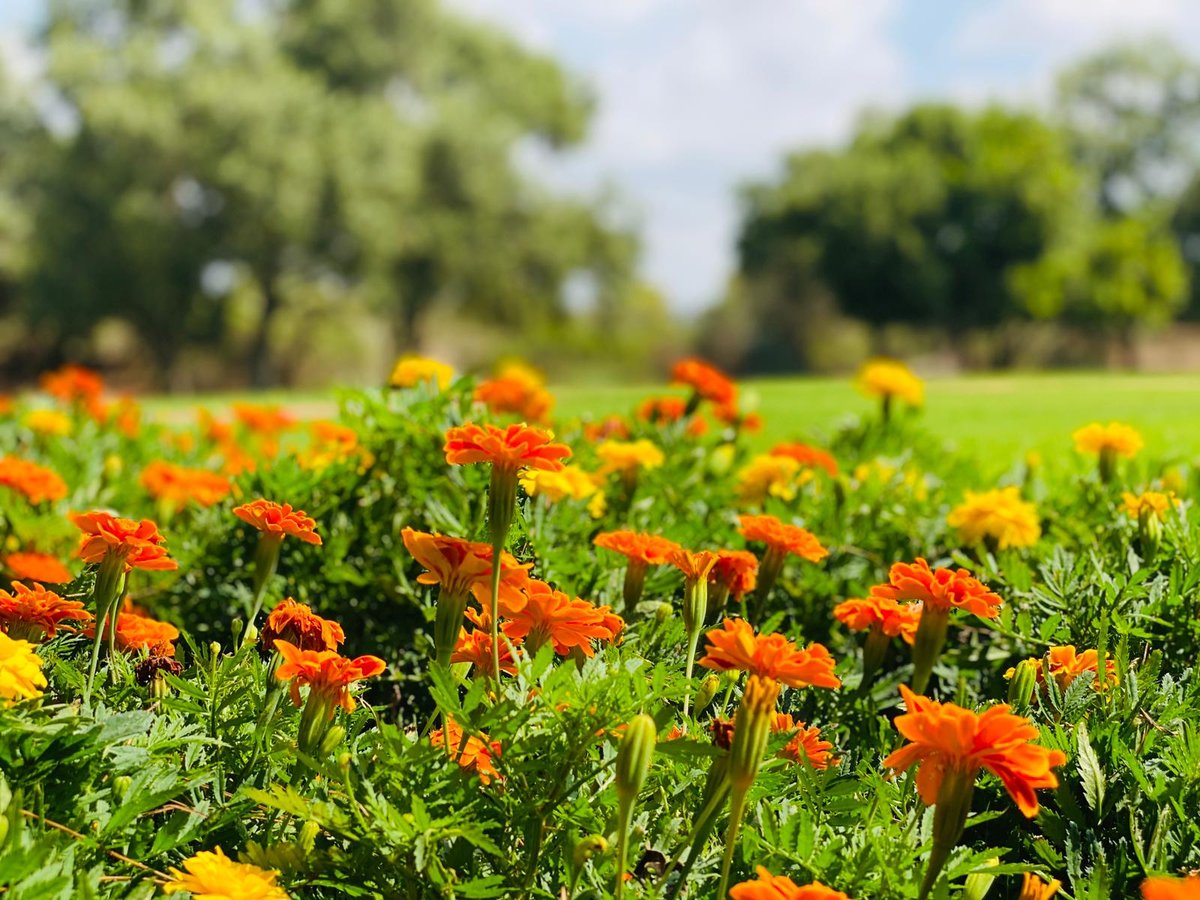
<point x="48" y="422"/>
<point x="887" y="378"/>
<point x="1156" y="502"/>
<point x="211" y="875"/>
<point x="768" y="476"/>
<point x="21" y="675"/>
<point x="410" y="371"/>
<point x="1033" y="888"/>
<point x="1115" y="438"/>
<point x="572" y="482"/>
<point x="999" y="515"/>
<point x="623" y="456"/>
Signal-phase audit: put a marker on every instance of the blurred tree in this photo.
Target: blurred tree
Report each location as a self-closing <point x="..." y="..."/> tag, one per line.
<point x="1185" y="222"/>
<point x="1133" y="115"/>
<point x="367" y="147"/>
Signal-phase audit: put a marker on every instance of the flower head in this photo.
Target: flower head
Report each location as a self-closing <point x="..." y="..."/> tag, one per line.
<point x="768" y="476"/>
<point x="475" y="754"/>
<point x="410" y="371"/>
<point x="569" y="623"/>
<point x="648" y="548"/>
<point x="707" y="381"/>
<point x="37" y="483"/>
<point x="1171" y="888"/>
<point x="73" y="384"/>
<point x="513" y="448"/>
<point x="945" y="737"/>
<point x="782" y="537"/>
<point x="1033" y="888"/>
<point x="325" y="672"/>
<point x="571" y="482"/>
<point x="1156" y="502"/>
<point x="297" y="624"/>
<point x="475" y="647"/>
<point x="892" y="618"/>
<point x="137" y="633"/>
<point x="519" y="390"/>
<point x="21" y="675"/>
<point x="41" y="567"/>
<point x="1000" y="515"/>
<point x="1115" y="438"/>
<point x="889" y="378"/>
<point x="695" y="565"/>
<point x="177" y="486"/>
<point x="806" y="743"/>
<point x="1065" y="665"/>
<point x="939" y="589"/>
<point x="266" y="421"/>
<point x="735" y="646"/>
<point x="736" y="570"/>
<point x="35" y="613"/>
<point x="138" y="544"/>
<point x="808" y="457"/>
<point x="462" y="567"/>
<point x="780" y="887"/>
<point x="624" y="456"/>
<point x="277" y="520"/>
<point x="211" y="875"/>
<point x="662" y="410"/>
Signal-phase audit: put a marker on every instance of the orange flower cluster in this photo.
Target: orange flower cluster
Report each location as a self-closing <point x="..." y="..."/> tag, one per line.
<point x="331" y="443"/>
<point x="662" y="410"/>
<point x="1171" y="888"/>
<point x="139" y="544"/>
<point x="945" y="737"/>
<point x="808" y="457"/>
<point x="779" y="887"/>
<point x="516" y="390"/>
<point x="783" y="538"/>
<point x="1065" y="665"/>
<point x="177" y="485"/>
<point x="299" y="626"/>
<point x="475" y="754"/>
<point x="279" y="520"/>
<point x="891" y="618"/>
<point x="462" y="567"/>
<point x="646" y="548"/>
<point x="35" y="613"/>
<point x="265" y="421"/>
<point x="568" y="623"/>
<point x="512" y="448"/>
<point x="37" y="483"/>
<point x="137" y="633"/>
<point x="475" y="647"/>
<point x="41" y="567"/>
<point x="74" y="384"/>
<point x="736" y="646"/>
<point x="806" y="743"/>
<point x="940" y="589"/>
<point x="736" y="571"/>
<point x="709" y="382"/>
<point x="609" y="428"/>
<point x="325" y="672"/>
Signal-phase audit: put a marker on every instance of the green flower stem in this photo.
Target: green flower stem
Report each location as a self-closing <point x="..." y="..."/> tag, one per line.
<point x="266" y="562"/>
<point x="106" y="595"/>
<point x="502" y="505"/>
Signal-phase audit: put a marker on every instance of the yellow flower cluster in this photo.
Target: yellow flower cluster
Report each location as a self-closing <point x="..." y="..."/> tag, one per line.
<point x="1115" y="438"/>
<point x="623" y="456"/>
<point x="769" y="476"/>
<point x="21" y="675"/>
<point x="889" y="378"/>
<point x="214" y="876"/>
<point x="413" y="370"/>
<point x="1000" y="516"/>
<point x="1156" y="502"/>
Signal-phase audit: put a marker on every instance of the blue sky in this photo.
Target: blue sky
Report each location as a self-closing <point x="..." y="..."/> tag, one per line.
<point x="697" y="96"/>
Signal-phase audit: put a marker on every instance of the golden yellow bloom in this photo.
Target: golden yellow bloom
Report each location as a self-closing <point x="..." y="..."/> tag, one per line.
<point x="48" y="422"/>
<point x="570" y="483"/>
<point x="1156" y="502"/>
<point x="1000" y="515"/>
<point x="1116" y="438"/>
<point x="889" y="378"/>
<point x="1034" y="888"/>
<point x="769" y="476"/>
<point x="211" y="875"/>
<point x="410" y="371"/>
<point x="623" y="456"/>
<point x="21" y="675"/>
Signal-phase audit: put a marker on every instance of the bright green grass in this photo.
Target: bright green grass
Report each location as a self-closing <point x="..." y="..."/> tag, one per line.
<point x="991" y="417"/>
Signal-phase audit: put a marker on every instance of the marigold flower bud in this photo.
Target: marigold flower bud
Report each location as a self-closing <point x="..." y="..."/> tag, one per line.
<point x="121" y="785"/>
<point x="1150" y="532"/>
<point x="708" y="690"/>
<point x="308" y="835"/>
<point x="1024" y="682"/>
<point x="662" y="613"/>
<point x="977" y="884"/>
<point x="591" y="846"/>
<point x="333" y="739"/>
<point x="634" y="755"/>
<point x="753" y="730"/>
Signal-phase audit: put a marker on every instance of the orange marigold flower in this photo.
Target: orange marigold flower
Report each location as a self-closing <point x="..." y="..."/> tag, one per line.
<point x="947" y="737"/>
<point x="805" y="744"/>
<point x="279" y="519"/>
<point x="707" y="381"/>
<point x="37" y="567"/>
<point x="550" y="615"/>
<point x="809" y="457"/>
<point x="735" y="646"/>
<point x="662" y="410"/>
<point x="608" y="428"/>
<point x="782" y="537"/>
<point x="475" y="754"/>
<point x="1066" y="665"/>
<point x="73" y="383"/>
<point x="325" y="672"/>
<point x="1115" y="438"/>
<point x="648" y="548"/>
<point x="35" y="613"/>
<point x="694" y="565"/>
<point x="515" y="447"/>
<point x="37" y="483"/>
<point x="939" y="589"/>
<point x="1171" y="888"/>
<point x="462" y="567"/>
<point x="1033" y="888"/>
<point x="779" y="887"/>
<point x="297" y="624"/>
<point x="518" y="390"/>
<point x="892" y="618"/>
<point x="266" y="421"/>
<point x="331" y="442"/>
<point x="1156" y="502"/>
<point x="139" y="544"/>
<point x="177" y="485"/>
<point x="136" y="633"/>
<point x="475" y="647"/>
<point x="735" y="570"/>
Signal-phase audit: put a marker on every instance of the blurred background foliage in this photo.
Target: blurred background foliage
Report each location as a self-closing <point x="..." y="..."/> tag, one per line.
<point x="200" y="194"/>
